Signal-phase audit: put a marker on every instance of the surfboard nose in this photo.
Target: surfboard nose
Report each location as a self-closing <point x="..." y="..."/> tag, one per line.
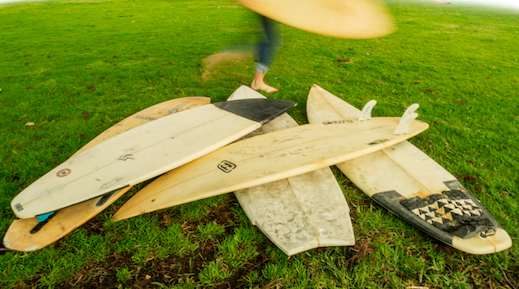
<point x="259" y="110"/>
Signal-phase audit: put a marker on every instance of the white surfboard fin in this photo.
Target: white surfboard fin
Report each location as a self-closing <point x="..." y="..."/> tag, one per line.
<point x="366" y="111"/>
<point x="411" y="109"/>
<point x="408" y="116"/>
<point x="403" y="126"/>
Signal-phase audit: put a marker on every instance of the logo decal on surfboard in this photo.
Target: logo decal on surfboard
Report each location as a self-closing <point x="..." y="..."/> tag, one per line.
<point x="126" y="157"/>
<point x="145" y="117"/>
<point x="226" y="166"/>
<point x="63" y="173"/>
<point x="18" y="207"/>
<point x="338" y="121"/>
<point x="378" y="141"/>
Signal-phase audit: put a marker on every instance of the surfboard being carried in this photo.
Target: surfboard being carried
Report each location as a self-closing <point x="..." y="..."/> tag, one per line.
<point x="357" y="19"/>
<point x="299" y="213"/>
<point x="31" y="235"/>
<point x="266" y="158"/>
<point x="409" y="183"/>
<point x="145" y="152"/>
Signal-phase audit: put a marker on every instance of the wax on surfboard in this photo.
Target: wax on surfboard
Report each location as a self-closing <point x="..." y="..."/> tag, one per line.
<point x="145" y="152"/>
<point x="31" y="235"/>
<point x="357" y="19"/>
<point x="266" y="158"/>
<point x="406" y="181"/>
<point x="299" y="213"/>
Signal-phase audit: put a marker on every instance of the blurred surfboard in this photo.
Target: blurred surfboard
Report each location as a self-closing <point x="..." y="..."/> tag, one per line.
<point x="299" y="213"/>
<point x="31" y="235"/>
<point x="269" y="157"/>
<point x="410" y="184"/>
<point x="356" y="19"/>
<point x="145" y="152"/>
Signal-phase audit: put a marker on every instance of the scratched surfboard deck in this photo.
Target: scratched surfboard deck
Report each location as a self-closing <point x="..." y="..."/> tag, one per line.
<point x="299" y="213"/>
<point x="266" y="158"/>
<point x="145" y="152"/>
<point x="31" y="235"/>
<point x="357" y="19"/>
<point x="409" y="183"/>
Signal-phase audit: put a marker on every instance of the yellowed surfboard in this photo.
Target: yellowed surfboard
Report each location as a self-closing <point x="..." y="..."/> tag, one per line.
<point x="409" y="183"/>
<point x="357" y="19"/>
<point x="30" y="235"/>
<point x="299" y="213"/>
<point x="145" y="152"/>
<point x="266" y="158"/>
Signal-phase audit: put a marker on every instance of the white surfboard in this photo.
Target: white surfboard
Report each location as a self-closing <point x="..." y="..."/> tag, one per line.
<point x="410" y="184"/>
<point x="299" y="213"/>
<point x="145" y="152"/>
<point x="31" y="235"/>
<point x="266" y="158"/>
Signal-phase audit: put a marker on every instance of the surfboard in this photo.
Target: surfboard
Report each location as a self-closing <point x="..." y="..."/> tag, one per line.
<point x="31" y="235"/>
<point x="357" y="19"/>
<point x="266" y="158"/>
<point x="299" y="213"/>
<point x="407" y="182"/>
<point x="145" y="152"/>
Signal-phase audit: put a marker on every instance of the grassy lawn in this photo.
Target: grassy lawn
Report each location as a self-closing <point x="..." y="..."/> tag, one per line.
<point x="75" y="68"/>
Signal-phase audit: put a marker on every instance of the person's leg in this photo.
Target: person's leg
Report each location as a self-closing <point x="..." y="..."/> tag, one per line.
<point x="267" y="50"/>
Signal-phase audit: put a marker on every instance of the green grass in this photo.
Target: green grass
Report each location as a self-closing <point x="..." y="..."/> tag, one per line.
<point x="75" y="68"/>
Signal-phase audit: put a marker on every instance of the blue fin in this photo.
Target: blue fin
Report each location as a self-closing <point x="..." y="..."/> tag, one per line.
<point x="44" y="217"/>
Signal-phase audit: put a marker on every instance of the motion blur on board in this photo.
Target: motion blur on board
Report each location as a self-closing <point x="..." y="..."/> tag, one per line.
<point x="265" y="51"/>
<point x="355" y="19"/>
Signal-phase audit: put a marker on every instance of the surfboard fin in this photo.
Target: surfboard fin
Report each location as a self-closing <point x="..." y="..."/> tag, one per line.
<point x="403" y="126"/>
<point x="366" y="111"/>
<point x="43" y="222"/>
<point x="410" y="110"/>
<point x="408" y="116"/>
<point x="44" y="217"/>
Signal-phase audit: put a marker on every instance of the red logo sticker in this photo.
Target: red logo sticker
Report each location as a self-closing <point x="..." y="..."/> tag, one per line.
<point x="63" y="173"/>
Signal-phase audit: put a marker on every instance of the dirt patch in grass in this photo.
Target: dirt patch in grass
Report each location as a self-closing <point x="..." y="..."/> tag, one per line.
<point x="166" y="271"/>
<point x="32" y="283"/>
<point x="361" y="249"/>
<point x="120" y="269"/>
<point x="94" y="226"/>
<point x="236" y="280"/>
<point x="443" y="247"/>
<point x="222" y="215"/>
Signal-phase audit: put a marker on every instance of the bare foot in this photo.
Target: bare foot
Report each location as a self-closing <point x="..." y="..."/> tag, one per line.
<point x="258" y="83"/>
<point x="263" y="86"/>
